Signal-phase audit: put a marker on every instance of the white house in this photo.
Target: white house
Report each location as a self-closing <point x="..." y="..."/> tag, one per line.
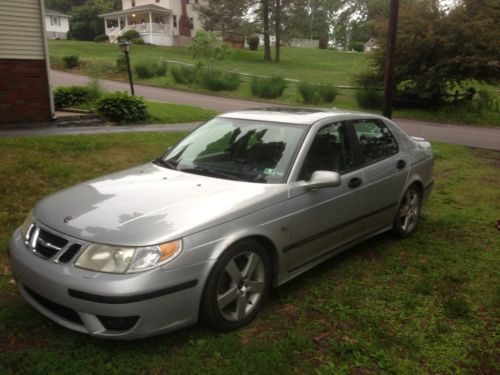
<point x="160" y="22"/>
<point x="370" y="45"/>
<point x="56" y="24"/>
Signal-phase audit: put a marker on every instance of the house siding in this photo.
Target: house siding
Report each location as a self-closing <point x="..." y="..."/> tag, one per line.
<point x="24" y="82"/>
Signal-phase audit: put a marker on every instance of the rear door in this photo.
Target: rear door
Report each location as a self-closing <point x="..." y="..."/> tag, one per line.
<point x="385" y="171"/>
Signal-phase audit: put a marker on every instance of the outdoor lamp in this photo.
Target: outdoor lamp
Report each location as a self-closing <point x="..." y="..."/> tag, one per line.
<point x="125" y="47"/>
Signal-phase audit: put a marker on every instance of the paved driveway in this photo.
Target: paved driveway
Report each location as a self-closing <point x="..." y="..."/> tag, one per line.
<point x="447" y="133"/>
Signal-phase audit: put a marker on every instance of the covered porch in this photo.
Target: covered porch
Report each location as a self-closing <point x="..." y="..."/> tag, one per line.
<point x="152" y="22"/>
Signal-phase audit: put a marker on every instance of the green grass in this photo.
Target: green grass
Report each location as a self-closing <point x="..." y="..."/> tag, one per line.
<point x="427" y="304"/>
<point x="166" y="113"/>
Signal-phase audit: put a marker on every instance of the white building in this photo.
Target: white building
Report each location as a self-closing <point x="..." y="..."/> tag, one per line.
<point x="56" y="24"/>
<point x="160" y="22"/>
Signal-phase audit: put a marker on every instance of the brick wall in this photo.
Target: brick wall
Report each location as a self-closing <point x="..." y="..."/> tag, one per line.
<point x="24" y="91"/>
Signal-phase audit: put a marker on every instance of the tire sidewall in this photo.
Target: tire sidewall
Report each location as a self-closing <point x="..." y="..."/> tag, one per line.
<point x="398" y="229"/>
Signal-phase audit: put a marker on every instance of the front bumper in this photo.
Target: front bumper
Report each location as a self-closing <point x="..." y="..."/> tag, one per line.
<point x="121" y="306"/>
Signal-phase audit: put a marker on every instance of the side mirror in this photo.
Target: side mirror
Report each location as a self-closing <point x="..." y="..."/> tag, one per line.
<point x="324" y="179"/>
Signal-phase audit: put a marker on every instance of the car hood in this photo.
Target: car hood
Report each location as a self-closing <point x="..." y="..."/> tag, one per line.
<point x="149" y="204"/>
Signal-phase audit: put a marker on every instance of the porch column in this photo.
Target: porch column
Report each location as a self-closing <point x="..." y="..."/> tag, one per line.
<point x="126" y="21"/>
<point x="119" y="23"/>
<point x="150" y="28"/>
<point x="106" y="26"/>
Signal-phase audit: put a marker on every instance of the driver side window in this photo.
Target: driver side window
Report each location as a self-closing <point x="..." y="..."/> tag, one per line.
<point x="330" y="150"/>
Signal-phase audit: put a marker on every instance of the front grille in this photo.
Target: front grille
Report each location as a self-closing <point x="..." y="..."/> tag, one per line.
<point x="70" y="253"/>
<point x="60" y="310"/>
<point x="48" y="244"/>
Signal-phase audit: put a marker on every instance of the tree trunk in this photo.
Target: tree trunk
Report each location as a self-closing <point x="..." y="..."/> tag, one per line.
<point x="265" y="21"/>
<point x="278" y="31"/>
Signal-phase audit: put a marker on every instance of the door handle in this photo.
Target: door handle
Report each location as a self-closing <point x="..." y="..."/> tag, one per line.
<point x="354" y="182"/>
<point x="401" y="164"/>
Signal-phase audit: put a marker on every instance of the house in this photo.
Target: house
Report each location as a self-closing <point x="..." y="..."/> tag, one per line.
<point x="56" y="24"/>
<point x="160" y="22"/>
<point x="25" y="94"/>
<point x="370" y="45"/>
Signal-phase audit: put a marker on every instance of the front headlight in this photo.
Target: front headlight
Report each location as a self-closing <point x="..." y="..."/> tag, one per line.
<point x="103" y="258"/>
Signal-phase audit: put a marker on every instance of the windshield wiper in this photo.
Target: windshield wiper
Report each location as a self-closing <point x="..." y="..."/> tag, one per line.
<point x="166" y="163"/>
<point x="212" y="173"/>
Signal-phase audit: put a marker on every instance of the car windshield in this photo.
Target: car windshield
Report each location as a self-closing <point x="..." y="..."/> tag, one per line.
<point x="244" y="150"/>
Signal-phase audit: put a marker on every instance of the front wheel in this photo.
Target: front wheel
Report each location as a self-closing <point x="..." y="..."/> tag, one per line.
<point x="408" y="213"/>
<point x="237" y="286"/>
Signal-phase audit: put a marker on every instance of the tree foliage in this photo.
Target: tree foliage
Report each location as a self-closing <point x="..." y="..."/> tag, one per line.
<point x="438" y="50"/>
<point x="206" y="48"/>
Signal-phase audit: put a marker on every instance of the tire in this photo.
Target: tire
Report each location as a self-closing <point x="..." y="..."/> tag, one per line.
<point x="406" y="220"/>
<point x="237" y="286"/>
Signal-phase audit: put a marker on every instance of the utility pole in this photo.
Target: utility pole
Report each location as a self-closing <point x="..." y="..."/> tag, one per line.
<point x="389" y="60"/>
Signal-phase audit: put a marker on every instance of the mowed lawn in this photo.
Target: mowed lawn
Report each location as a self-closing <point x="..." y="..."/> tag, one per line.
<point x="312" y="65"/>
<point x="427" y="304"/>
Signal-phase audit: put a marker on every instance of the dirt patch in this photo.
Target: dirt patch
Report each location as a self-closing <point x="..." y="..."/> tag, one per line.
<point x="492" y="157"/>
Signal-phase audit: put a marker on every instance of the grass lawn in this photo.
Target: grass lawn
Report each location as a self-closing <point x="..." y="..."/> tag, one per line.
<point x="312" y="65"/>
<point x="427" y="304"/>
<point x="166" y="113"/>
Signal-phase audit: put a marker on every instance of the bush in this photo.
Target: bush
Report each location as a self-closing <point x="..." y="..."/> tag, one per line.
<point x="65" y="97"/>
<point x="122" y="107"/>
<point x="323" y="42"/>
<point x="121" y="63"/>
<point x="101" y="38"/>
<point x="219" y="81"/>
<point x="71" y="62"/>
<point x="253" y="42"/>
<point x="268" y="88"/>
<point x="315" y="94"/>
<point x="184" y="74"/>
<point x="137" y="41"/>
<point x="130" y="35"/>
<point x="357" y="46"/>
<point x="369" y="98"/>
<point x="149" y="70"/>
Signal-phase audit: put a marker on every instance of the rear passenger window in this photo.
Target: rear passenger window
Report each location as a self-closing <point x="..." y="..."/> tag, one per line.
<point x="375" y="140"/>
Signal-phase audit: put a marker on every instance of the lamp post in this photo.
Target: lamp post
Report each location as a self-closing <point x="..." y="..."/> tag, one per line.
<point x="125" y="47"/>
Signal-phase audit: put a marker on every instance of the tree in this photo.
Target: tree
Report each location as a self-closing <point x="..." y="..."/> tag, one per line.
<point x="206" y="48"/>
<point x="438" y="50"/>
<point x="265" y="24"/>
<point x="277" y="27"/>
<point x="223" y="15"/>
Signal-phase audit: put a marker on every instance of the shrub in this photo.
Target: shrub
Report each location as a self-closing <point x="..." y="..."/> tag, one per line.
<point x="122" y="107"/>
<point x="268" y="88"/>
<point x="130" y="34"/>
<point x="146" y="70"/>
<point x="253" y="42"/>
<point x="219" y="81"/>
<point x="65" y="97"/>
<point x="137" y="41"/>
<point x="323" y="42"/>
<point x="369" y="98"/>
<point x="184" y="74"/>
<point x="121" y="63"/>
<point x="357" y="46"/>
<point x="71" y="62"/>
<point x="315" y="94"/>
<point x="101" y="38"/>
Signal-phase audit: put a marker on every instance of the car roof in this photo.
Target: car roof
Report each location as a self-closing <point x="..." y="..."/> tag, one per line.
<point x="289" y="115"/>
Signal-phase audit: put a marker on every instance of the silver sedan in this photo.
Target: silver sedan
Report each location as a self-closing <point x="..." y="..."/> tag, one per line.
<point x="247" y="201"/>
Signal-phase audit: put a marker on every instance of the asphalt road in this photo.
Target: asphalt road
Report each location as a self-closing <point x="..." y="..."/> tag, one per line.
<point x="457" y="134"/>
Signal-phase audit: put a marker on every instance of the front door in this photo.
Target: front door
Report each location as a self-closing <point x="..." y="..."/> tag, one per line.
<point x="325" y="219"/>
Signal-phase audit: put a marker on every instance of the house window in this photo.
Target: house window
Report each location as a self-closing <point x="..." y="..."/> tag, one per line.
<point x="133" y="3"/>
<point x="196" y="1"/>
<point x="157" y="1"/>
<point x="174" y="20"/>
<point x="191" y="23"/>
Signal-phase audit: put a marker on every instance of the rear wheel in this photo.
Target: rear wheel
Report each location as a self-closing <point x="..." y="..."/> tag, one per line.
<point x="237" y="286"/>
<point x="408" y="213"/>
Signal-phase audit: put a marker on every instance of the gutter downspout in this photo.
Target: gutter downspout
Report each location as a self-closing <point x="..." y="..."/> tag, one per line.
<point x="47" y="60"/>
